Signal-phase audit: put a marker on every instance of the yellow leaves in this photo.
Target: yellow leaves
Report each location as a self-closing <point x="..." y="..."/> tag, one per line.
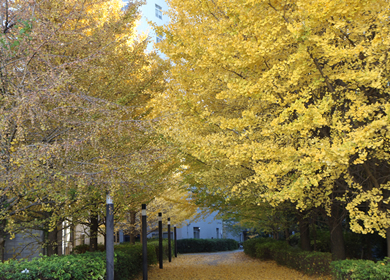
<point x="223" y="265"/>
<point x="295" y="94"/>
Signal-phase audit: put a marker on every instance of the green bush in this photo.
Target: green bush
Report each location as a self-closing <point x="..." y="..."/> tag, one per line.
<point x="205" y="245"/>
<point x="293" y="257"/>
<point x="127" y="264"/>
<point x="361" y="269"/>
<point x="322" y="240"/>
<point x="251" y="245"/>
<point x="165" y="248"/>
<point x="84" y="266"/>
<point x="128" y="259"/>
<point x="266" y="249"/>
<point x="80" y="249"/>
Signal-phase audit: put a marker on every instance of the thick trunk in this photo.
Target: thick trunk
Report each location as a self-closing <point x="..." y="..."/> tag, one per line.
<point x="304" y="233"/>
<point x="93" y="241"/>
<point x="367" y="253"/>
<point x="2" y="241"/>
<point x="132" y="226"/>
<point x="59" y="239"/>
<point x="336" y="233"/>
<point x="73" y="236"/>
<point x="140" y="231"/>
<point x="287" y="234"/>
<point x="52" y="242"/>
<point x="314" y="237"/>
<point x="54" y="239"/>
<point x="388" y="240"/>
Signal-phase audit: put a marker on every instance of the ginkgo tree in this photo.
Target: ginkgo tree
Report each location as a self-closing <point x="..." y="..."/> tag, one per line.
<point x="65" y="139"/>
<point x="294" y="93"/>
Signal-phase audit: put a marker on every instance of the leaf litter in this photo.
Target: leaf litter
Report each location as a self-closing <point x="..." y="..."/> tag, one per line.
<point x="226" y="265"/>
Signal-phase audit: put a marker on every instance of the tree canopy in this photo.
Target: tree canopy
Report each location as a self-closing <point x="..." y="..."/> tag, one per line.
<point x="74" y="82"/>
<point x="284" y="101"/>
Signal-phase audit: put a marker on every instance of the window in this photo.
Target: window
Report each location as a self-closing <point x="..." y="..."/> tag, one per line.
<point x="217" y="233"/>
<point x="158" y="11"/>
<point x="116" y="237"/>
<point x="159" y="38"/>
<point x="196" y="232"/>
<point x="165" y="235"/>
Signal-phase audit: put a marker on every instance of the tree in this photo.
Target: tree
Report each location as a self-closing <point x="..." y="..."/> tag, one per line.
<point x="65" y="140"/>
<point x="294" y="92"/>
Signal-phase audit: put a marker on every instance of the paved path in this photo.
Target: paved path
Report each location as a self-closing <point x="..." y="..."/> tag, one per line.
<point x="233" y="265"/>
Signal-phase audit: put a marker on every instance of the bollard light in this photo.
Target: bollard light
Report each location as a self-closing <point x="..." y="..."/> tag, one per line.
<point x="109" y="237"/>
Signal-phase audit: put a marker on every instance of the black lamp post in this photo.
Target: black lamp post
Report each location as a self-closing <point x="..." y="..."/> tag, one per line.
<point x="144" y="245"/>
<point x="175" y="239"/>
<point x="169" y="240"/>
<point x="109" y="237"/>
<point x="160" y="240"/>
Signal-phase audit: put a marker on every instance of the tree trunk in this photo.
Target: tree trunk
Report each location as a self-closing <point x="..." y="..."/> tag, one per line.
<point x="287" y="235"/>
<point x="388" y="241"/>
<point x="54" y="238"/>
<point x="132" y="226"/>
<point x="59" y="239"/>
<point x="73" y="236"/>
<point x="367" y="253"/>
<point x="2" y="241"/>
<point x="52" y="242"/>
<point x="315" y="237"/>
<point x="140" y="236"/>
<point x="304" y="232"/>
<point x="93" y="233"/>
<point x="336" y="233"/>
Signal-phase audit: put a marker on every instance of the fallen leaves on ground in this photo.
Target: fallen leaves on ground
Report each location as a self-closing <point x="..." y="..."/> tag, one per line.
<point x="226" y="265"/>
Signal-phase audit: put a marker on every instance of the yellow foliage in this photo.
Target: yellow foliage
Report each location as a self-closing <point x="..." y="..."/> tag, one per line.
<point x="292" y="95"/>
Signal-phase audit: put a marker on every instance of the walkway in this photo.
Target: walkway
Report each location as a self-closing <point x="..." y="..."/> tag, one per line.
<point x="223" y="266"/>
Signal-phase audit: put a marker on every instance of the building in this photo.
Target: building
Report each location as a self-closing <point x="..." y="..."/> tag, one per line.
<point x="207" y="227"/>
<point x="151" y="11"/>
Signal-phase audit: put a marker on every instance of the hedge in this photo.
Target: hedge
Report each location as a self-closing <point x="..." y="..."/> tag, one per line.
<point x="84" y="266"/>
<point x="165" y="248"/>
<point x="308" y="262"/>
<point x="194" y="245"/>
<point x="127" y="264"/>
<point x="361" y="269"/>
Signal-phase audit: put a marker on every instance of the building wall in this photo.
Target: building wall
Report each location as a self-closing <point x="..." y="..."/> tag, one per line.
<point x="148" y="13"/>
<point x="24" y="245"/>
<point x="209" y="227"/>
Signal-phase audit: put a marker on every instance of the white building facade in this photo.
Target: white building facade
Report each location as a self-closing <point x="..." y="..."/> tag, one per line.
<point x="207" y="227"/>
<point x="151" y="11"/>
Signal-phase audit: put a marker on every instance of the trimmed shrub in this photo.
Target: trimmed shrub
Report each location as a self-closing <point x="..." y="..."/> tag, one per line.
<point x="250" y="246"/>
<point x="128" y="259"/>
<point x="127" y="264"/>
<point x="81" y="249"/>
<point x="194" y="245"/>
<point x="293" y="257"/>
<point x="322" y="240"/>
<point x="165" y="248"/>
<point x="75" y="267"/>
<point x="267" y="249"/>
<point x="361" y="269"/>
